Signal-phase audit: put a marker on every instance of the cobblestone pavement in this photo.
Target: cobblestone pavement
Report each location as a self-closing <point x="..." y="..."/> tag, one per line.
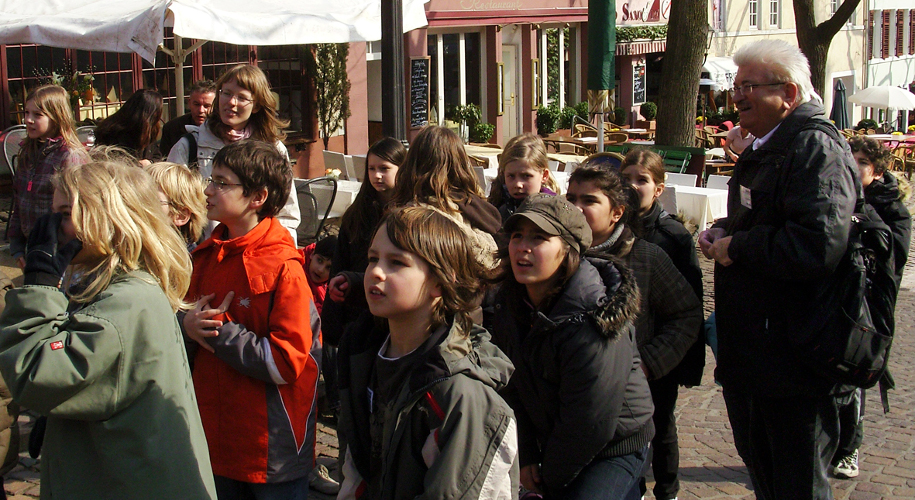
<point x="709" y="465"/>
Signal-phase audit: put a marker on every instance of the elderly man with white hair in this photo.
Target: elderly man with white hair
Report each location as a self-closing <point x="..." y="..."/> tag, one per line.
<point x="789" y="214"/>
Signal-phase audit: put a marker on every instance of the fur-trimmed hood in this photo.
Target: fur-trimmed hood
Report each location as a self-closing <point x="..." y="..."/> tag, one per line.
<point x="603" y="291"/>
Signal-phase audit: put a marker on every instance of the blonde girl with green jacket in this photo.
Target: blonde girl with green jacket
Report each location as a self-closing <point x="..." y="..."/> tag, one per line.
<point x="106" y="364"/>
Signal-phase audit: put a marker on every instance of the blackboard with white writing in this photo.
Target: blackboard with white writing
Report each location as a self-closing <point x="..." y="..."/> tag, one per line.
<point x="419" y="91"/>
<point x="638" y="84"/>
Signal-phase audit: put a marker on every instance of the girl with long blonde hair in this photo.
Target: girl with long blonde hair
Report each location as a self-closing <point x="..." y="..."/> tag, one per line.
<point x="524" y="170"/>
<point x="107" y="364"/>
<point x="51" y="145"/>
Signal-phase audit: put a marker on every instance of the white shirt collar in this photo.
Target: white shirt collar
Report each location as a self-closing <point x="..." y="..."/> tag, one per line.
<point x="758" y="143"/>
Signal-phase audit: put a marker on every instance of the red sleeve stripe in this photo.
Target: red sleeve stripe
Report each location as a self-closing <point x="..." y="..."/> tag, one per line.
<point x="435" y="407"/>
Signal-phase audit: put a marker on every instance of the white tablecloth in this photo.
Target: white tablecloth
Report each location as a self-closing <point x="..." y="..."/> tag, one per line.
<point x="346" y="195"/>
<point x="702" y="205"/>
<point x="491" y="154"/>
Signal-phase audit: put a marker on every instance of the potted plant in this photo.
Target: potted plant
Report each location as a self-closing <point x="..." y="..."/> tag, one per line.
<point x="78" y="84"/>
<point x="866" y="124"/>
<point x="482" y="132"/>
<point x="619" y="116"/>
<point x="649" y="111"/>
<point x="547" y="118"/>
<point x="466" y="116"/>
<point x="567" y="115"/>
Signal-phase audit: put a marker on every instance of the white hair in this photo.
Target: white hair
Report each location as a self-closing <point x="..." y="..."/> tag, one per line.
<point x="784" y="62"/>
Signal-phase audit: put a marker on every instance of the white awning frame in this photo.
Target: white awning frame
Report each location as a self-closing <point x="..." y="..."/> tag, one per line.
<point x="722" y="70"/>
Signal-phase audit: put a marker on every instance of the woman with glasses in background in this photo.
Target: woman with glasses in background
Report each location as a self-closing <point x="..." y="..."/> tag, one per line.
<point x="245" y="108"/>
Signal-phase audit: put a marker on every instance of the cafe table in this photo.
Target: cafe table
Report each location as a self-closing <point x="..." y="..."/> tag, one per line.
<point x="571" y="162"/>
<point x="891" y="137"/>
<point x="346" y="195"/>
<point x="555" y="140"/>
<point x="490" y="154"/>
<point x="702" y="205"/>
<point x="638" y="133"/>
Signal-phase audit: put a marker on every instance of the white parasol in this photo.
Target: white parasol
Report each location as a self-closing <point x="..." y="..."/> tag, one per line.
<point x="884" y="96"/>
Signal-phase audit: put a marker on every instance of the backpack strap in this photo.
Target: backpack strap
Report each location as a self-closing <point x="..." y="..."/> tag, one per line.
<point x="191" y="150"/>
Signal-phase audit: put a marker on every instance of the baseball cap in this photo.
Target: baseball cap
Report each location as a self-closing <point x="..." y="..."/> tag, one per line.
<point x="554" y="216"/>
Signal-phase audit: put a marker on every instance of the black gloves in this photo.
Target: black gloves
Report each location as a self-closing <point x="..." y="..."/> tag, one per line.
<point x="45" y="263"/>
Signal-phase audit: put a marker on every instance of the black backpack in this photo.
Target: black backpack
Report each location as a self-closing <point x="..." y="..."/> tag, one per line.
<point x="850" y="330"/>
<point x="853" y="318"/>
<point x="192" y="162"/>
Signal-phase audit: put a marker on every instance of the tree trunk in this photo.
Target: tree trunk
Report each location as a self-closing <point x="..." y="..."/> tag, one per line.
<point x="686" y="49"/>
<point x="814" y="39"/>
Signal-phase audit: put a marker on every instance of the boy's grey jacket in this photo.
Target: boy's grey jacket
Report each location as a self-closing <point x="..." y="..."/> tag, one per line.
<point x="470" y="453"/>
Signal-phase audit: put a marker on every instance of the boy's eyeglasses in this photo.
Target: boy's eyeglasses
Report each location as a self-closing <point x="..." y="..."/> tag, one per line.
<point x="220" y="185"/>
<point x="747" y="88"/>
<point x="228" y="96"/>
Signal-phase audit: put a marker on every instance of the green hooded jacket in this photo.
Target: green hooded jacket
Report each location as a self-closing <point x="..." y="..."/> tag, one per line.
<point x="112" y="376"/>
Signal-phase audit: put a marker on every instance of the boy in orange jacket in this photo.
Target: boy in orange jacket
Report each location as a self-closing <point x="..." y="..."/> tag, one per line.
<point x="258" y="332"/>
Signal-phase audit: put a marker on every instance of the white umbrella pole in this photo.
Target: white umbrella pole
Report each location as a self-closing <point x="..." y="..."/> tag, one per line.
<point x="600" y="132"/>
<point x="179" y="54"/>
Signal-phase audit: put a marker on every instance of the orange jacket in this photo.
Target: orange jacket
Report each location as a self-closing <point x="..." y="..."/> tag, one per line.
<point x="257" y="392"/>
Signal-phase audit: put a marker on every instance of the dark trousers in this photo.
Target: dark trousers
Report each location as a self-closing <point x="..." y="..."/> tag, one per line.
<point x="851" y="423"/>
<point x="329" y="369"/>
<point x="230" y="489"/>
<point x="786" y="443"/>
<point x="665" y="448"/>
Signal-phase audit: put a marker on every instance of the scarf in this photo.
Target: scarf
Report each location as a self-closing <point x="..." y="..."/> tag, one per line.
<point x="617" y="231"/>
<point x="234" y="136"/>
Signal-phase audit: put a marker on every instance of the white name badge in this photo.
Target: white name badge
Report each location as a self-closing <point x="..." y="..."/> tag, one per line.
<point x="745" y="198"/>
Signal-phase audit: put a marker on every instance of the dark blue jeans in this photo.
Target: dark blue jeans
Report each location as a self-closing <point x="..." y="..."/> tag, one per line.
<point x="786" y="443"/>
<point x="615" y="478"/>
<point x="230" y="489"/>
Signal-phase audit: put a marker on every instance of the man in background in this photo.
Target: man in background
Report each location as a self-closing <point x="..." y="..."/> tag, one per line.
<point x="200" y="102"/>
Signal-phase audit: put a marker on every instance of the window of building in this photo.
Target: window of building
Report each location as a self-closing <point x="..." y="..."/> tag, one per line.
<point x="217" y="57"/>
<point x="870" y="35"/>
<point x="885" y="34"/>
<point x="773" y="13"/>
<point x="753" y="10"/>
<point x="473" y="64"/>
<point x="117" y="76"/>
<point x="285" y="66"/>
<point x="834" y="6"/>
<point x="912" y="31"/>
<point x="24" y="72"/>
<point x="900" y="32"/>
<point x="456" y="71"/>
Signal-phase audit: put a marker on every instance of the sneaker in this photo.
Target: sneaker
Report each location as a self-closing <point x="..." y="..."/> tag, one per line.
<point x="847" y="468"/>
<point x="320" y="481"/>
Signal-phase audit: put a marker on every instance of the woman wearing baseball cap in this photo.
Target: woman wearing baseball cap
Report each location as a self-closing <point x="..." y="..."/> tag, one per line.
<point x="580" y="396"/>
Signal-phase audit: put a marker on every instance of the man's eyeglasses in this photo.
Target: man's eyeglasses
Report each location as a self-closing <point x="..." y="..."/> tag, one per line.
<point x="748" y="88"/>
<point x="220" y="185"/>
<point x="228" y="96"/>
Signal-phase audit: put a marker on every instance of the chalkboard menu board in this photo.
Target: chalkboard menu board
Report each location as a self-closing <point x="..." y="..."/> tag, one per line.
<point x="638" y="84"/>
<point x="419" y="91"/>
